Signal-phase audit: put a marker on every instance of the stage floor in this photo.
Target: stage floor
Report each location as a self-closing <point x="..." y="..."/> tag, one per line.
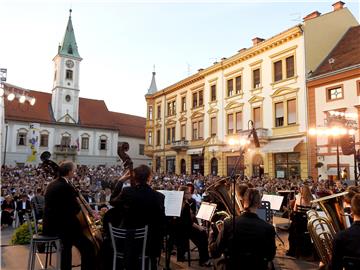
<point x="16" y="257"/>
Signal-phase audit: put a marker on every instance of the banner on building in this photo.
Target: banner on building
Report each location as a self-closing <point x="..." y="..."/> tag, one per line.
<point x="34" y="140"/>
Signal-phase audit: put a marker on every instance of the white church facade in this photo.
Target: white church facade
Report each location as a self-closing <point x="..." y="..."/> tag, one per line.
<point x="66" y="125"/>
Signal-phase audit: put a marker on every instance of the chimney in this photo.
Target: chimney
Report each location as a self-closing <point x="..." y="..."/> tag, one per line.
<point x="338" y="5"/>
<point x="312" y="15"/>
<point x="257" y="40"/>
<point x="241" y="50"/>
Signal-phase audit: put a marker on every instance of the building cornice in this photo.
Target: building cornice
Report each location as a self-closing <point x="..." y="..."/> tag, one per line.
<point x="242" y="56"/>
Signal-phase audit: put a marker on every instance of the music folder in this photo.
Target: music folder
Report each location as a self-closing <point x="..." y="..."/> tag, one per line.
<point x="173" y="202"/>
<point x="206" y="211"/>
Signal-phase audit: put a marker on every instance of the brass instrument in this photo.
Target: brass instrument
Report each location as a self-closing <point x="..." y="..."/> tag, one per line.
<point x="322" y="230"/>
<point x="221" y="193"/>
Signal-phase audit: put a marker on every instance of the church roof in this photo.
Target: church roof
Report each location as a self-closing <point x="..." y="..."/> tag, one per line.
<point x="153" y="87"/>
<point x="68" y="46"/>
<point x="92" y="113"/>
<point x="346" y="53"/>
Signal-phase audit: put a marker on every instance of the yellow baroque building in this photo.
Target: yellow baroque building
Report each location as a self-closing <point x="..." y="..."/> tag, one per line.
<point x="191" y="124"/>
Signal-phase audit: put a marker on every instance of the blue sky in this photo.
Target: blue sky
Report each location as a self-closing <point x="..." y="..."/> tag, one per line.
<point x="120" y="41"/>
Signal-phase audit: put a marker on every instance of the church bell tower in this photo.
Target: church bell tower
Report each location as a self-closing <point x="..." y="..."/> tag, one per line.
<point x="65" y="93"/>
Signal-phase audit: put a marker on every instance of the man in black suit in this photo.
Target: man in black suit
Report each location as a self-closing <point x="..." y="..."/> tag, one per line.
<point x="22" y="207"/>
<point x="60" y="219"/>
<point x="252" y="246"/>
<point x="140" y="205"/>
<point x="347" y="242"/>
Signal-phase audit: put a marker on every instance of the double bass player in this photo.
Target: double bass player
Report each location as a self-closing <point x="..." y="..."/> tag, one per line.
<point x="60" y="219"/>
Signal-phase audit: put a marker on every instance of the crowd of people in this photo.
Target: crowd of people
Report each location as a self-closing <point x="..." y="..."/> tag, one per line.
<point x="34" y="187"/>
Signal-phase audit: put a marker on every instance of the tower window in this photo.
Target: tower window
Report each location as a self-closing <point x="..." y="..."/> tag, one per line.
<point x="67" y="98"/>
<point x="70" y="50"/>
<point x="69" y="74"/>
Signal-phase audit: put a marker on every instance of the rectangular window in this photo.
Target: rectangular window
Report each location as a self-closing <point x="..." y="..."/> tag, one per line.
<point x="173" y="134"/>
<point x="201" y="98"/>
<point x="278" y="71"/>
<point x="230" y="87"/>
<point x="213" y="126"/>
<point x="256" y="78"/>
<point x="169" y="108"/>
<point x="44" y="140"/>
<point x="290" y="67"/>
<point x="150" y="113"/>
<point x="183" y="104"/>
<point x="21" y="139"/>
<point x="150" y="138"/>
<point x="195" y="103"/>
<point x="230" y="123"/>
<point x="84" y="143"/>
<point x="291" y="111"/>
<point x="238" y="84"/>
<point x="173" y="105"/>
<point x="183" y="132"/>
<point x="158" y="114"/>
<point x="168" y="135"/>
<point x="201" y="130"/>
<point x="195" y="131"/>
<point x="69" y="74"/>
<point x="213" y="92"/>
<point x="279" y="114"/>
<point x="102" y="144"/>
<point x="141" y="149"/>
<point x="238" y="121"/>
<point x="158" y="137"/>
<point x="335" y="93"/>
<point x="257" y="117"/>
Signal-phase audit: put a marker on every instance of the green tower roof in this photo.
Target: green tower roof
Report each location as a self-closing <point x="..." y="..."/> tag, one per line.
<point x="68" y="46"/>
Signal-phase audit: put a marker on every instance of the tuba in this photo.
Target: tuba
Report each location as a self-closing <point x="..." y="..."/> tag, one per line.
<point x="322" y="230"/>
<point x="221" y="193"/>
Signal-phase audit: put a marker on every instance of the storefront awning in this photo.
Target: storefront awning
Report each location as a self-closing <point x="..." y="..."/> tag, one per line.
<point x="281" y="146"/>
<point x="195" y="151"/>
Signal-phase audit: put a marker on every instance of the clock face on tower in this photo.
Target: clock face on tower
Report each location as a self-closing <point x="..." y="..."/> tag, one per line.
<point x="69" y="63"/>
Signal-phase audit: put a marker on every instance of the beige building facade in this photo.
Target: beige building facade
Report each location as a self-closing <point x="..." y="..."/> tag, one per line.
<point x="191" y="124"/>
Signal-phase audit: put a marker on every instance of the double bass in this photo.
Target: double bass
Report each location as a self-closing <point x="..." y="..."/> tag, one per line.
<point x="90" y="229"/>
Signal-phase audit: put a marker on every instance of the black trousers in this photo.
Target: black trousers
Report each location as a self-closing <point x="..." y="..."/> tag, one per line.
<point x="86" y="249"/>
<point x="199" y="238"/>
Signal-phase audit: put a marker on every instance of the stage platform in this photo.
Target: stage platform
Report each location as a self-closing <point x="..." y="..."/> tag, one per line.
<point x="16" y="257"/>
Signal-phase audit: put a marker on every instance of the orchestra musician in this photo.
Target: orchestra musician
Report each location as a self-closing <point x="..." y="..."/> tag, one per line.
<point x="347" y="242"/>
<point x="139" y="205"/>
<point x="186" y="227"/>
<point x="252" y="245"/>
<point x="60" y="219"/>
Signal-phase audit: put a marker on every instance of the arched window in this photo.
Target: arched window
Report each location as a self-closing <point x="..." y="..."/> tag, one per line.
<point x="44" y="138"/>
<point x="214" y="166"/>
<point x="85" y="141"/>
<point x="103" y="142"/>
<point x="65" y="139"/>
<point x="21" y="136"/>
<point x="183" y="166"/>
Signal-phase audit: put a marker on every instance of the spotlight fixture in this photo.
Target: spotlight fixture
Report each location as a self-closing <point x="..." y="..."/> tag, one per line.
<point x="22" y="99"/>
<point x="11" y="97"/>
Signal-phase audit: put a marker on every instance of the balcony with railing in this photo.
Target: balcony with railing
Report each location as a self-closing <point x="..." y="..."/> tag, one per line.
<point x="180" y="145"/>
<point x="65" y="149"/>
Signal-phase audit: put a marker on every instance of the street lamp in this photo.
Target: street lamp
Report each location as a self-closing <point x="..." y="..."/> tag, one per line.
<point x="336" y="132"/>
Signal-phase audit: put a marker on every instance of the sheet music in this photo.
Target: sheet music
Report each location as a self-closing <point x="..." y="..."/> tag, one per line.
<point x="173" y="202"/>
<point x="206" y="211"/>
<point x="275" y="201"/>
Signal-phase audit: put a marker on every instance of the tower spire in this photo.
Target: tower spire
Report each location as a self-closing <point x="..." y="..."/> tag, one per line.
<point x="68" y="46"/>
<point x="153" y="88"/>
